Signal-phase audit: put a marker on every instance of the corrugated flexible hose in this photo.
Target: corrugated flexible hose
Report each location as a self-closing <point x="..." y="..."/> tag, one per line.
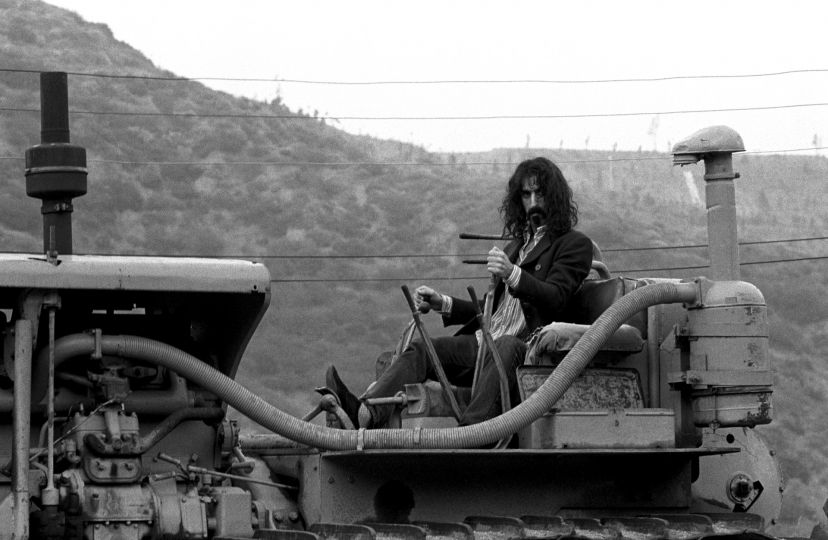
<point x="477" y="435"/>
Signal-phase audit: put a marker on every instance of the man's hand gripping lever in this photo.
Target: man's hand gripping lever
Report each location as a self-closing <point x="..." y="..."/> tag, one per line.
<point x="432" y="354"/>
<point x="427" y="299"/>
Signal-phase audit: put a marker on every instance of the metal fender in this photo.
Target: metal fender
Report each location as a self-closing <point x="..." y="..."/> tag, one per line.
<point x="750" y="479"/>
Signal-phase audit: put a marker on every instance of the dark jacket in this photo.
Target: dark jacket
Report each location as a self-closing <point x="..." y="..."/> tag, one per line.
<point x="550" y="275"/>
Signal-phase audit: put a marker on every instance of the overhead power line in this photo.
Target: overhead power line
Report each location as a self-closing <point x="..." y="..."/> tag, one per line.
<point x="748" y="263"/>
<point x="609" y="156"/>
<point x="426" y="118"/>
<point x="691" y="246"/>
<point x="487" y="277"/>
<point x="347" y="163"/>
<point x="431" y="81"/>
<point x="270" y="256"/>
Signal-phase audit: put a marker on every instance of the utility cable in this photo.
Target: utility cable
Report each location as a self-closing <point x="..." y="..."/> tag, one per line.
<point x="339" y="163"/>
<point x="610" y="157"/>
<point x="748" y="263"/>
<point x="246" y="256"/>
<point x="693" y="246"/>
<point x="429" y="81"/>
<point x="455" y="278"/>
<point x="426" y="118"/>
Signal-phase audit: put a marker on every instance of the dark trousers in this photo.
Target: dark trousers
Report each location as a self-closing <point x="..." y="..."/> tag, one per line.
<point x="457" y="355"/>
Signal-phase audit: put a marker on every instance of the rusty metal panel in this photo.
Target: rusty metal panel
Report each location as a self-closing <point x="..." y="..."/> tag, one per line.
<point x="733" y="406"/>
<point x="611" y="428"/>
<point x="449" y="485"/>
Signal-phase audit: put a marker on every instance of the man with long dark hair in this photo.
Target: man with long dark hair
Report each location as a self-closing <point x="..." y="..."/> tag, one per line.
<point x="537" y="272"/>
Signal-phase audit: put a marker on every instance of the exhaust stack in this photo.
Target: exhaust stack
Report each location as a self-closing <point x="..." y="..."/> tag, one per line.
<point x="55" y="169"/>
<point x="716" y="145"/>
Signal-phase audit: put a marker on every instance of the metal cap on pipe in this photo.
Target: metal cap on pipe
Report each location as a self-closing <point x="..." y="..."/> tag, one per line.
<point x="710" y="140"/>
<point x="715" y="146"/>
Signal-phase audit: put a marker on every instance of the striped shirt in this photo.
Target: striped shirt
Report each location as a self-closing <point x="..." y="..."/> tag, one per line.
<point x="508" y="319"/>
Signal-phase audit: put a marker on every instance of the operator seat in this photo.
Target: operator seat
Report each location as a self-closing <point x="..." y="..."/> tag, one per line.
<point x="596" y="294"/>
<point x="554" y="340"/>
<point x="613" y="377"/>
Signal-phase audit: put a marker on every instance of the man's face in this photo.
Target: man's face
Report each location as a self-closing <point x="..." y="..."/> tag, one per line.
<point x="532" y="198"/>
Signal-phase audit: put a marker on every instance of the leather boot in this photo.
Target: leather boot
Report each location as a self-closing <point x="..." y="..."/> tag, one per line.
<point x="348" y="401"/>
<point x="375" y="416"/>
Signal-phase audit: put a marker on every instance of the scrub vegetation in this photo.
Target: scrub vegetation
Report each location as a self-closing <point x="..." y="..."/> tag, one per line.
<point x="287" y="184"/>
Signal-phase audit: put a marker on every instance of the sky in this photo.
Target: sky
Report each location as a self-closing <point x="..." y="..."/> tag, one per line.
<point x="516" y="40"/>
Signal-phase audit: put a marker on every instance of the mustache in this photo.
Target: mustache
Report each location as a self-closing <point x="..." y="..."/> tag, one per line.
<point x="536" y="215"/>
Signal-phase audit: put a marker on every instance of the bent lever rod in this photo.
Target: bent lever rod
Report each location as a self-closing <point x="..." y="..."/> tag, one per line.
<point x="432" y="354"/>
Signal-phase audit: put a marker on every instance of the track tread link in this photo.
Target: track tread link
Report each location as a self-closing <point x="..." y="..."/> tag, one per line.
<point x="722" y="526"/>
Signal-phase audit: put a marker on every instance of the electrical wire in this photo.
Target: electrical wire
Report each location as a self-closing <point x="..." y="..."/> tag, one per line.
<point x="610" y="157"/>
<point x="269" y="256"/>
<point x="428" y="82"/>
<point x="692" y="246"/>
<point x="426" y="118"/>
<point x="340" y="163"/>
<point x="748" y="263"/>
<point x="455" y="278"/>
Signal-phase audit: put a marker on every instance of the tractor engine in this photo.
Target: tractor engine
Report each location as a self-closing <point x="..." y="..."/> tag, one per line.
<point x="100" y="436"/>
<point x="114" y="443"/>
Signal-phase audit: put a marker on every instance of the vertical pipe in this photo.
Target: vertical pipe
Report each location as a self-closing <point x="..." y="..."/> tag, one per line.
<point x="50" y="411"/>
<point x="720" y="194"/>
<point x="54" y="128"/>
<point x="54" y="107"/>
<point x="22" y="426"/>
<point x="653" y="358"/>
<point x="50" y="495"/>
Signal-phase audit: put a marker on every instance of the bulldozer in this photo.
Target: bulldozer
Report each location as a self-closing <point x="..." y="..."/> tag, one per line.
<point x="637" y="419"/>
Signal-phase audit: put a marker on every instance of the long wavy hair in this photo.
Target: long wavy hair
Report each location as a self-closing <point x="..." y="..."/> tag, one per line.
<point x="561" y="209"/>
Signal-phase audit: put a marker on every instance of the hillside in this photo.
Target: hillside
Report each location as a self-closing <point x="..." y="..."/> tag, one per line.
<point x="264" y="180"/>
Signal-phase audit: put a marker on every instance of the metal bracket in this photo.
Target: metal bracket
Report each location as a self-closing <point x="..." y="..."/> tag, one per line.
<point x="720" y="378"/>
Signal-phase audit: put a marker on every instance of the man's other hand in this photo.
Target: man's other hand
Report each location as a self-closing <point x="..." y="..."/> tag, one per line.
<point x="498" y="263"/>
<point x="428" y="299"/>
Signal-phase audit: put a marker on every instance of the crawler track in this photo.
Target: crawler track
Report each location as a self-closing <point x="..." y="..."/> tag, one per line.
<point x="730" y="526"/>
